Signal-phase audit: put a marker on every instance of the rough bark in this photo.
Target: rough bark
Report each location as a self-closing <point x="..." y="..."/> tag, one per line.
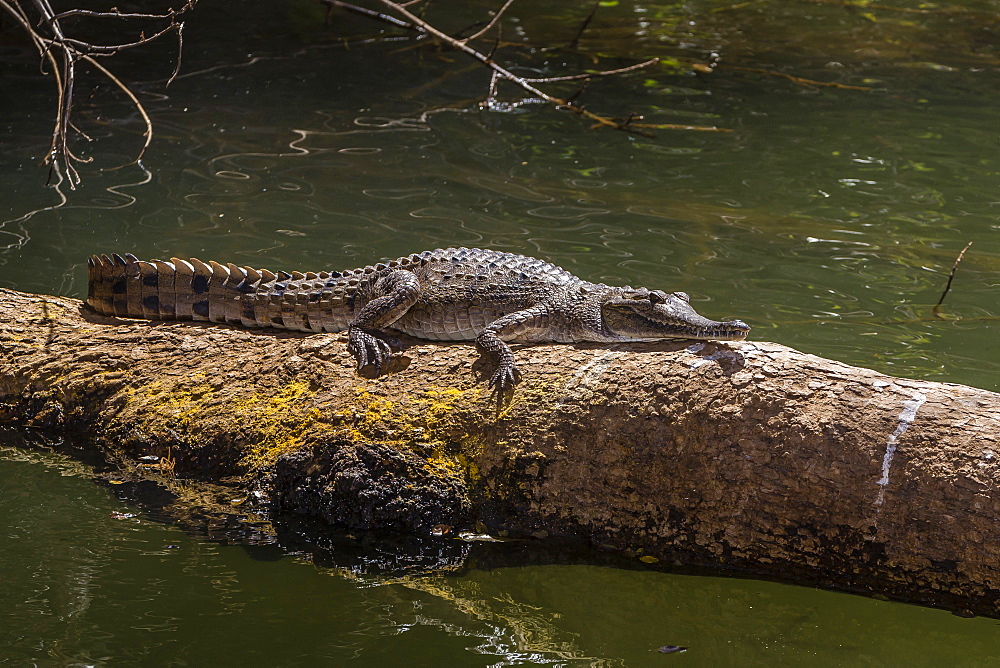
<point x="746" y="455"/>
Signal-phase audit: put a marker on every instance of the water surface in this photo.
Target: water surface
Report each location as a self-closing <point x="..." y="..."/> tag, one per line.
<point x="90" y="580"/>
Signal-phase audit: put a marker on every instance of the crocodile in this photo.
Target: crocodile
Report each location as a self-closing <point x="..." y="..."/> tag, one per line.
<point x="452" y="294"/>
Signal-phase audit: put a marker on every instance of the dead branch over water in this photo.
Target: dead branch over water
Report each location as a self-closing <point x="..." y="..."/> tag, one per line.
<point x="62" y="52"/>
<point x="56" y="37"/>
<point x="400" y="15"/>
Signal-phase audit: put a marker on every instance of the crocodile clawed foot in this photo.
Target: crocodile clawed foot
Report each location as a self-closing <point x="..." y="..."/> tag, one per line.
<point x="504" y="379"/>
<point x="502" y="383"/>
<point x="368" y="349"/>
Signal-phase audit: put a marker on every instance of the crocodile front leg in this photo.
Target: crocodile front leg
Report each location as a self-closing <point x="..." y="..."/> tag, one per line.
<point x="511" y="326"/>
<point x="394" y="294"/>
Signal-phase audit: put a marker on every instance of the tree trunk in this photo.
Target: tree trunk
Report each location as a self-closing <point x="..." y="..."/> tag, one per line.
<point x="748" y="455"/>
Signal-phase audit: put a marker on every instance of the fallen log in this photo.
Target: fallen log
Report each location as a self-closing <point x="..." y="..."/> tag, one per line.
<point x="748" y="455"/>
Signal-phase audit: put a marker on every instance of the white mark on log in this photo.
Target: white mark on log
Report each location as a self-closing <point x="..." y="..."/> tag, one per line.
<point x="906" y="418"/>
<point x="589" y="372"/>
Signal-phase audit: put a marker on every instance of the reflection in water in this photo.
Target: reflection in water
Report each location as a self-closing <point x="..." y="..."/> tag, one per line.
<point x="86" y="581"/>
<point x="44" y="578"/>
<point x="518" y="632"/>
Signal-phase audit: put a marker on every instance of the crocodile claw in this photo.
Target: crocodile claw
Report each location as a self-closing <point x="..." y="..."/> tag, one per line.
<point x="505" y="378"/>
<point x="369" y="349"/>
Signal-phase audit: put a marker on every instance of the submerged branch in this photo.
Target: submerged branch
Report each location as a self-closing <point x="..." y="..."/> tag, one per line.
<point x="679" y="126"/>
<point x="797" y="80"/>
<point x="583" y="26"/>
<point x="403" y="17"/>
<point x="923" y="9"/>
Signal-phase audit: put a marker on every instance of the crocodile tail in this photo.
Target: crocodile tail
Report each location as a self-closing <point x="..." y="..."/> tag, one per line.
<point x="127" y="287"/>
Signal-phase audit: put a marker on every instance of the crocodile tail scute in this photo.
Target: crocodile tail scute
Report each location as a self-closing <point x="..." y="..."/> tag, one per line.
<point x="127" y="287"/>
<point x="106" y="288"/>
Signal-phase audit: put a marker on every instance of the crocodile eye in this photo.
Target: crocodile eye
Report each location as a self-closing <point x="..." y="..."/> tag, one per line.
<point x="683" y="295"/>
<point x="638" y="295"/>
<point x="657" y="297"/>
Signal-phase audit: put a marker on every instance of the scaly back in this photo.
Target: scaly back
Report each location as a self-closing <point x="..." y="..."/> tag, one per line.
<point x="311" y="301"/>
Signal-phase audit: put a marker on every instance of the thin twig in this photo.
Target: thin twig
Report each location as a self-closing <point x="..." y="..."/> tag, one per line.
<point x="115" y="13"/>
<point x="583" y="26"/>
<point x="941" y="11"/>
<point x="579" y="91"/>
<point x="148" y="134"/>
<point x="529" y="84"/>
<point x="372" y="14"/>
<point x="180" y="52"/>
<point x="496" y="17"/>
<point x="951" y="277"/>
<point x="63" y="51"/>
<point x="601" y="73"/>
<point x="798" y="80"/>
<point x="64" y="72"/>
<point x="680" y="126"/>
<point x="101" y="49"/>
<point x="496" y="42"/>
<point x="492" y="92"/>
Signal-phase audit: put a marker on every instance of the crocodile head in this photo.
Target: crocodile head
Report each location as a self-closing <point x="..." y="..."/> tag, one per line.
<point x="647" y="315"/>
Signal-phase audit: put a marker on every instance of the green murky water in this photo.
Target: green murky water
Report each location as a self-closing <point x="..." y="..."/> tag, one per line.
<point x="828" y="218"/>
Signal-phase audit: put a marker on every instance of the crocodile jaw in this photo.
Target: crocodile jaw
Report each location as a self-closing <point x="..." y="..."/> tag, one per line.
<point x="731" y="330"/>
<point x="643" y="315"/>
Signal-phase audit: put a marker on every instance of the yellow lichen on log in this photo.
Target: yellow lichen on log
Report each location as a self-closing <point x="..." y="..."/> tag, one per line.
<point x="746" y="455"/>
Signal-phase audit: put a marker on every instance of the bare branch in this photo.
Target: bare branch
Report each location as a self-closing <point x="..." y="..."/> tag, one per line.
<point x="148" y="134"/>
<point x="603" y="73"/>
<point x="62" y="52"/>
<point x="379" y="16"/>
<point x="951" y="277"/>
<point x="180" y="52"/>
<point x="491" y="95"/>
<point x="583" y="27"/>
<point x="496" y="42"/>
<point x="496" y="17"/>
<point x="110" y="49"/>
<point x="411" y="21"/>
<point x="115" y="13"/>
<point x="680" y="126"/>
<point x="797" y="80"/>
<point x="579" y="91"/>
